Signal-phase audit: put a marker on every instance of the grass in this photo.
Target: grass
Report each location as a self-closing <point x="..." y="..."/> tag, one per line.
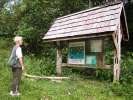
<point x="75" y="89"/>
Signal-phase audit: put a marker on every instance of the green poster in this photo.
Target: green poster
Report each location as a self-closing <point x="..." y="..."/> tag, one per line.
<point x="91" y="60"/>
<point x="76" y="52"/>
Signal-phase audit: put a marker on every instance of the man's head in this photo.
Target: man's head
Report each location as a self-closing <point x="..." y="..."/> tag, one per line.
<point x="18" y="40"/>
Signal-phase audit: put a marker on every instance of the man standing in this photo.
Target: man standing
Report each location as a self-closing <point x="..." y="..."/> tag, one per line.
<point x="16" y="63"/>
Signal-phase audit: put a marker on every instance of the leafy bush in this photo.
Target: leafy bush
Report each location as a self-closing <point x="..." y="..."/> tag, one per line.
<point x="104" y="74"/>
<point x="123" y="90"/>
<point x="42" y="66"/>
<point x="127" y="68"/>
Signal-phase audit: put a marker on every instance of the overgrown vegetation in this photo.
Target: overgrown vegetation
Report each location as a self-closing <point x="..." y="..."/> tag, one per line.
<point x="80" y="87"/>
<point x="31" y="19"/>
<point x="40" y="66"/>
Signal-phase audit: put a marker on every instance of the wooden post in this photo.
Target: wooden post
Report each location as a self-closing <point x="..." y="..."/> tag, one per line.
<point x="58" y="59"/>
<point x="90" y="4"/>
<point x="117" y="37"/>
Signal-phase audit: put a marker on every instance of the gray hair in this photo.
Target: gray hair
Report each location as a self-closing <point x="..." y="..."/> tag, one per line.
<point x="17" y="38"/>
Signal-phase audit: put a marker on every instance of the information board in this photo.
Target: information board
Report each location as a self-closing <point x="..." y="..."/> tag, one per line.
<point x="76" y="54"/>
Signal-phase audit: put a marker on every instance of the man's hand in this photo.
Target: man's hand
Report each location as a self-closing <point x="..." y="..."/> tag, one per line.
<point x="23" y="68"/>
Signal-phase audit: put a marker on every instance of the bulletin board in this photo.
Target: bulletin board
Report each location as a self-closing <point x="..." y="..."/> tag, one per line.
<point x="76" y="53"/>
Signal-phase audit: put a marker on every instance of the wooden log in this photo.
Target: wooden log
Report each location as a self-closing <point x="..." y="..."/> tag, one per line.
<point x="117" y="37"/>
<point x="45" y="77"/>
<point x="58" y="59"/>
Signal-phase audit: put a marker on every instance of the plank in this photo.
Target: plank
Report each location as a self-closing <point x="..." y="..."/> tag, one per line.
<point x="45" y="77"/>
<point x="85" y="66"/>
<point x="80" y="37"/>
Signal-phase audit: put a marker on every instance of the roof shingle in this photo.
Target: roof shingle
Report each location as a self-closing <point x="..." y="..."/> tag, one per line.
<point x="87" y="22"/>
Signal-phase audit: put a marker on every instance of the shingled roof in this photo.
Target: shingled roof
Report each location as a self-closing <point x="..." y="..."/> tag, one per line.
<point x="96" y="21"/>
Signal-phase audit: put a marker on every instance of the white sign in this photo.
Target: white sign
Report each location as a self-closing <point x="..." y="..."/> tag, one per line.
<point x="96" y="45"/>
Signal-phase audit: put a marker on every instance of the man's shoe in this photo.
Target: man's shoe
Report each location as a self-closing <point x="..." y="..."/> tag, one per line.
<point x="14" y="94"/>
<point x="11" y="92"/>
<point x="17" y="94"/>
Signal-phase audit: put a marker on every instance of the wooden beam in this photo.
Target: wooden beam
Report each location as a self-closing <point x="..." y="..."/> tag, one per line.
<point x="100" y="35"/>
<point x="59" y="58"/>
<point x="45" y="77"/>
<point x="117" y="37"/>
<point x="85" y="66"/>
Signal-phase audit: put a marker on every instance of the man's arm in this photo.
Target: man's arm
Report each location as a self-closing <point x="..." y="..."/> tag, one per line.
<point x="20" y="57"/>
<point x="21" y="62"/>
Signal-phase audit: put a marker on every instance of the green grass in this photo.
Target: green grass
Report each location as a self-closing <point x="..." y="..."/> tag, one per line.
<point x="75" y="89"/>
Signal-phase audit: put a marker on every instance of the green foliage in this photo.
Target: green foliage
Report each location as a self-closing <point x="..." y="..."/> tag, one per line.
<point x="127" y="69"/>
<point x="36" y="66"/>
<point x="104" y="74"/>
<point x="32" y="19"/>
<point x="107" y="74"/>
<point x="2" y="3"/>
<point x="77" y="88"/>
<point x="108" y="51"/>
<point x="122" y="90"/>
<point x="126" y="64"/>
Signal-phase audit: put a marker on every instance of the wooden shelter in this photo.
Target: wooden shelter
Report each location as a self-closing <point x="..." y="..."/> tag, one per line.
<point x="85" y="31"/>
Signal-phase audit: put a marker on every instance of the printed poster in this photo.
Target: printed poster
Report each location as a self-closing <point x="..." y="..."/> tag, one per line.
<point x="76" y="53"/>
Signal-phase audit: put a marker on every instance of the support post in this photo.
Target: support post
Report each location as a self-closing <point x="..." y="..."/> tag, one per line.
<point x="90" y="4"/>
<point x="58" y="59"/>
<point x="117" y="37"/>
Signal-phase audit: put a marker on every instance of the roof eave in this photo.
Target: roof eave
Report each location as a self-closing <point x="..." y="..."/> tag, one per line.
<point x="126" y="26"/>
<point x="105" y="34"/>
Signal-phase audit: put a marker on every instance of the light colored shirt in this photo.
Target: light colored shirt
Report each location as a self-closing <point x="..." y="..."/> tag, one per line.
<point x="19" y="52"/>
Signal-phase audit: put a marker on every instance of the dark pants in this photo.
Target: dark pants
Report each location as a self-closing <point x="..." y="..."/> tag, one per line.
<point x="17" y="73"/>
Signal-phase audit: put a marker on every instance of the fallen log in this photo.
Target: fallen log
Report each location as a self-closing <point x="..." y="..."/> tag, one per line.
<point x="45" y="77"/>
